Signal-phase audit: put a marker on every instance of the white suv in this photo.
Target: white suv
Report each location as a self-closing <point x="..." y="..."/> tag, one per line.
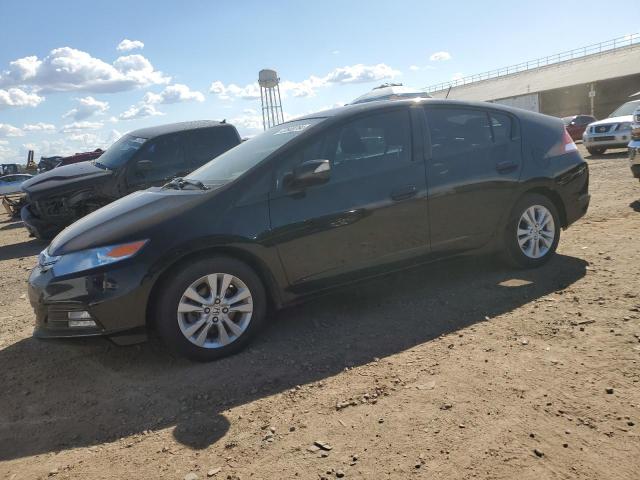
<point x="611" y="132"/>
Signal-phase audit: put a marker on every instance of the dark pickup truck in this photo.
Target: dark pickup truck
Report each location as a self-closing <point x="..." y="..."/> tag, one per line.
<point x="140" y="159"/>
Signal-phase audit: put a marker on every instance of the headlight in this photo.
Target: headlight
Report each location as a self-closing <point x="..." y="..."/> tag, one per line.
<point x="91" y="258"/>
<point x="624" y="126"/>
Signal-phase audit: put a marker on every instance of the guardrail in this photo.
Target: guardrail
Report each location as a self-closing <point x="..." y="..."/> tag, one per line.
<point x="602" y="47"/>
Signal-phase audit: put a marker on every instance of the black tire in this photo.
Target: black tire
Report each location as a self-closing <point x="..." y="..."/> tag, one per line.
<point x="513" y="254"/>
<point x="596" y="150"/>
<point x="172" y="290"/>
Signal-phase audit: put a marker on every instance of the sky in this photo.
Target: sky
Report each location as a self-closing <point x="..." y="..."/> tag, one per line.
<point x="76" y="75"/>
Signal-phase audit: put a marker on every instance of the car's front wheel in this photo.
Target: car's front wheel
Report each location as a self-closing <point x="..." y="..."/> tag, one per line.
<point x="210" y="308"/>
<point x="532" y="232"/>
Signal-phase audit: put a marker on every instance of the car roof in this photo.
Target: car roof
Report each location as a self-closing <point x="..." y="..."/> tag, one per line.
<point x="348" y="110"/>
<point x="151" y="132"/>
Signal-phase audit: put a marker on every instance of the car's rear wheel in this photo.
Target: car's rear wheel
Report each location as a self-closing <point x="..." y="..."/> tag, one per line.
<point x="596" y="150"/>
<point x="210" y="308"/>
<point x="533" y="231"/>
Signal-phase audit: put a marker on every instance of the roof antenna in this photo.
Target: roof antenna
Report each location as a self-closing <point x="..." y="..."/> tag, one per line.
<point x="448" y="91"/>
<point x="224" y="120"/>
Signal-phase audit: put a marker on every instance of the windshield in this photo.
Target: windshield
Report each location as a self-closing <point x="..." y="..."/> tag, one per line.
<point x="626" y="109"/>
<point x="233" y="163"/>
<point x="120" y="152"/>
<point x="568" y="120"/>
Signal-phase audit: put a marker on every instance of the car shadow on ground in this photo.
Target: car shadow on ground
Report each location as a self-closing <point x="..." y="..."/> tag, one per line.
<point x="58" y="395"/>
<point x="23" y="249"/>
<point x="10" y="225"/>
<point x="608" y="155"/>
<point x="635" y="205"/>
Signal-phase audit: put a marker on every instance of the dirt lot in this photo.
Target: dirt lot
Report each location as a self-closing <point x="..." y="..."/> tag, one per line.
<point x="462" y="369"/>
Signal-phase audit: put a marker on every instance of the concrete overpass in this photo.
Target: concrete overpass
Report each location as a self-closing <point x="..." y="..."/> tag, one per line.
<point x="592" y="80"/>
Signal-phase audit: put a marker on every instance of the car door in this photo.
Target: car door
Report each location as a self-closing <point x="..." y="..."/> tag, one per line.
<point x="371" y="211"/>
<point x="162" y="158"/>
<point x="473" y="166"/>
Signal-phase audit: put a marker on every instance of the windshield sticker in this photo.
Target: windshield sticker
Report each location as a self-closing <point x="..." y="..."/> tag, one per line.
<point x="292" y="129"/>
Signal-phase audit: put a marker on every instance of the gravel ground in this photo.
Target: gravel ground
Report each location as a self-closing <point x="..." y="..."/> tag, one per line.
<point x="460" y="369"/>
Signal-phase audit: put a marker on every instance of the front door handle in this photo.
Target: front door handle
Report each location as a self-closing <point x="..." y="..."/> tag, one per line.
<point x="506" y="167"/>
<point x="402" y="193"/>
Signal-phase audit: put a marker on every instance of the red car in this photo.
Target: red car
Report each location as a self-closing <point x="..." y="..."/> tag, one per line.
<point x="576" y="125"/>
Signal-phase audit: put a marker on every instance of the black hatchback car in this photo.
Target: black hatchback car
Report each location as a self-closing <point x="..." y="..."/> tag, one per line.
<point x="140" y="159"/>
<point x="305" y="206"/>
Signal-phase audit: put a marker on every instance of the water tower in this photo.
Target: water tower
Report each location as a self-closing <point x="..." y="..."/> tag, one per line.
<point x="270" y="96"/>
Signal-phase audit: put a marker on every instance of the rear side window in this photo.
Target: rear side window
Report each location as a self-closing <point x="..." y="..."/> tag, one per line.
<point x="206" y="144"/>
<point x="458" y="130"/>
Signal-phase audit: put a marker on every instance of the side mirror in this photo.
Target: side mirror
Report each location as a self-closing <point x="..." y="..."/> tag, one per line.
<point x="311" y="172"/>
<point x="144" y="165"/>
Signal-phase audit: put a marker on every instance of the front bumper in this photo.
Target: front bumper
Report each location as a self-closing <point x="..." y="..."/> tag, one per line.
<point x="606" y="140"/>
<point x="36" y="226"/>
<point x="116" y="300"/>
<point x="634" y="158"/>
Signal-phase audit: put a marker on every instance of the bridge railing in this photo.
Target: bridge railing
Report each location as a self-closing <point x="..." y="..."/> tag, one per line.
<point x="596" y="48"/>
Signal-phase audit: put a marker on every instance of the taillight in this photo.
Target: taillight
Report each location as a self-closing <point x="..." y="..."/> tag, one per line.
<point x="569" y="145"/>
<point x="565" y="145"/>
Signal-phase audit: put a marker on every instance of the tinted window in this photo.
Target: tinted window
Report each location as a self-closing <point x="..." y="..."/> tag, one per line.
<point x="207" y="144"/>
<point x="166" y="156"/>
<point x="360" y="147"/>
<point x="458" y="130"/>
<point x="502" y="127"/>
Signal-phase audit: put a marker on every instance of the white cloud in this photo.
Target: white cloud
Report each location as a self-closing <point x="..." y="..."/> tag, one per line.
<point x="38" y="127"/>
<point x="76" y="127"/>
<point x="87" y="106"/>
<point x="7" y="154"/>
<point x="174" y="94"/>
<point x="69" y="144"/>
<point x="457" y="76"/>
<point x="7" y="130"/>
<point x="16" y="97"/>
<point x="361" y="73"/>
<point x="358" y="73"/>
<point x="68" y="69"/>
<point x="440" y="56"/>
<point x="414" y="68"/>
<point x="126" y="45"/>
<point x="140" y="110"/>
<point x="249" y="120"/>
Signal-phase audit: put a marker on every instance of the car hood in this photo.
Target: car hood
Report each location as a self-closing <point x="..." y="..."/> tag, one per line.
<point x="126" y="219"/>
<point x="63" y="179"/>
<point x="610" y="120"/>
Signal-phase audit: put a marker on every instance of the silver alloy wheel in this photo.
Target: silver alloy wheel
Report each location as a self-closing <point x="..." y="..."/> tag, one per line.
<point x="536" y="231"/>
<point x="215" y="310"/>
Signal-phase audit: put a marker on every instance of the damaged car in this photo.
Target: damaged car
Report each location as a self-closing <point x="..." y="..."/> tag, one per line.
<point x="140" y="159"/>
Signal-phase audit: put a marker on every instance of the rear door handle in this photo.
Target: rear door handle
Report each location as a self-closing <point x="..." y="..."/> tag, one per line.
<point x="506" y="167"/>
<point x="402" y="193"/>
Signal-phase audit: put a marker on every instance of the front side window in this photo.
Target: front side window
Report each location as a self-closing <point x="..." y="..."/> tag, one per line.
<point x="364" y="146"/>
<point x="166" y="156"/>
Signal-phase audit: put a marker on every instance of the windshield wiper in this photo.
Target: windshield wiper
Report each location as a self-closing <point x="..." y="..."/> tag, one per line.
<point x="100" y="165"/>
<point x="180" y="183"/>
